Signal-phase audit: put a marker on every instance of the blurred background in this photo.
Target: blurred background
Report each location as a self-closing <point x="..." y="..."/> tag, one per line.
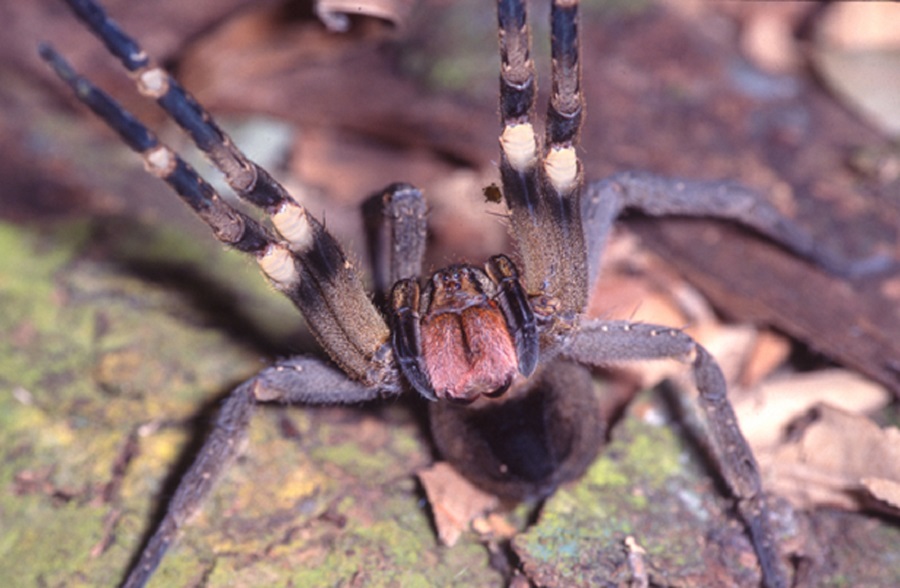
<point x="800" y="100"/>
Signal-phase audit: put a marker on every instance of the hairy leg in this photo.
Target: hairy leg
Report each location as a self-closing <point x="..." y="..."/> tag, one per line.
<point x="304" y="262"/>
<point x="604" y="200"/>
<point x="296" y="380"/>
<point x="396" y="230"/>
<point x="542" y="180"/>
<point x="604" y="343"/>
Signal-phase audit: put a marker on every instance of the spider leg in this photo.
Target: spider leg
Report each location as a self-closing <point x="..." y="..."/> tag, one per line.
<point x="296" y="380"/>
<point x="542" y="181"/>
<point x="306" y="263"/>
<point x="653" y="195"/>
<point x="604" y="343"/>
<point x="396" y="230"/>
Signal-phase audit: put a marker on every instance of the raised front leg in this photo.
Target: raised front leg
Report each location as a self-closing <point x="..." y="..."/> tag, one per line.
<point x="605" y="343"/>
<point x="304" y="261"/>
<point x="296" y="380"/>
<point x="542" y="180"/>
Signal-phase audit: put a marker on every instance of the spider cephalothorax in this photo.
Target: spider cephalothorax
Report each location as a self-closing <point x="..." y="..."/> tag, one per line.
<point x="466" y="335"/>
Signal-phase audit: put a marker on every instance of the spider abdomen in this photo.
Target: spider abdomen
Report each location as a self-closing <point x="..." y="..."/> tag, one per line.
<point x="544" y="432"/>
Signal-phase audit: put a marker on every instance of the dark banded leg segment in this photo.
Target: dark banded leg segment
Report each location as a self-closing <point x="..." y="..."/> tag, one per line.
<point x="230" y="226"/>
<point x="306" y="264"/>
<point x="406" y="336"/>
<point x="249" y="181"/>
<point x="518" y="142"/>
<point x="542" y="185"/>
<point x="156" y="83"/>
<point x="517" y="311"/>
<point x="562" y="169"/>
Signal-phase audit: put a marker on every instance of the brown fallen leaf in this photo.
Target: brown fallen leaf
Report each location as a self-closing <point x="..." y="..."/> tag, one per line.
<point x="766" y="412"/>
<point x="839" y="459"/>
<point x="863" y="26"/>
<point x="456" y="503"/>
<point x="856" y="51"/>
<point x="770" y="350"/>
<point x="494" y="525"/>
<point x="768" y="36"/>
<point x="884" y="490"/>
<point x="639" y="287"/>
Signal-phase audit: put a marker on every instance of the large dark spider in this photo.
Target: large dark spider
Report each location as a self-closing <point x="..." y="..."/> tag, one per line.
<point x="469" y="335"/>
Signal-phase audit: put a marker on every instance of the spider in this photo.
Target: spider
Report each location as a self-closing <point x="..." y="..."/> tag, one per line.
<point x="508" y="337"/>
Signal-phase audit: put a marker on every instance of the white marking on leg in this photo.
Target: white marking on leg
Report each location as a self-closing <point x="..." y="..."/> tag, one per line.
<point x="278" y="263"/>
<point x="561" y="165"/>
<point x="153" y="82"/>
<point x="160" y="161"/>
<point x="519" y="145"/>
<point x="293" y="224"/>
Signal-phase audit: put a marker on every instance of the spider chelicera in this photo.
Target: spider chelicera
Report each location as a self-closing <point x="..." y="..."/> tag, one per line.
<point x="476" y="341"/>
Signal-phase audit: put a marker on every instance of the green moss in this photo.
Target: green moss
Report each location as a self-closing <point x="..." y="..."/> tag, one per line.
<point x="233" y="280"/>
<point x="347" y="455"/>
<point x="93" y="352"/>
<point x="644" y="455"/>
<point x="606" y="472"/>
<point x="639" y="487"/>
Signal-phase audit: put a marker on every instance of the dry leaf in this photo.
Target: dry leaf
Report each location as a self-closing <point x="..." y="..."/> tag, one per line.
<point x="868" y="25"/>
<point x="494" y="525"/>
<point x="454" y="501"/>
<point x="884" y="490"/>
<point x="768" y="39"/>
<point x="770" y="350"/>
<point x="834" y="459"/>
<point x="765" y="413"/>
<point x="730" y="344"/>
<point x="857" y="53"/>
